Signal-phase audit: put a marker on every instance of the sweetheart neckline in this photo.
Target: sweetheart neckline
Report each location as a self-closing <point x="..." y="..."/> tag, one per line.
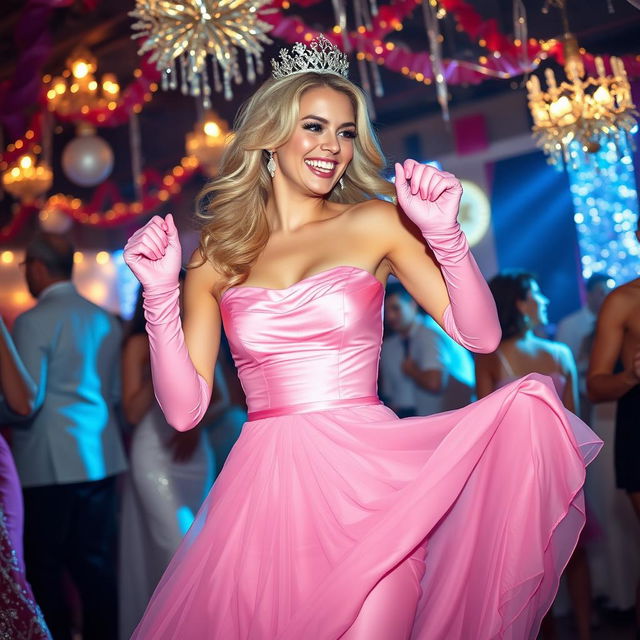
<point x="302" y="281"/>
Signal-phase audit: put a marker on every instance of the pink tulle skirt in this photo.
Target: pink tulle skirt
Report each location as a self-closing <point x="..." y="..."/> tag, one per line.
<point x="312" y="510"/>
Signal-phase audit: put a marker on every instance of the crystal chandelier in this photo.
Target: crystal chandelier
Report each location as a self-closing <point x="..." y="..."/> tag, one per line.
<point x="207" y="141"/>
<point x="80" y="92"/>
<point x="184" y="35"/>
<point x="575" y="117"/>
<point x="26" y="181"/>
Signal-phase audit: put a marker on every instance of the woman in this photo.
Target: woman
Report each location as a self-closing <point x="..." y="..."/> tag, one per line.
<point x="20" y="616"/>
<point x="521" y="308"/>
<point x="319" y="523"/>
<point x="170" y="475"/>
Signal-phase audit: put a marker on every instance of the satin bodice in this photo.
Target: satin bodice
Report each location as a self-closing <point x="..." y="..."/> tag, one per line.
<point x="315" y="344"/>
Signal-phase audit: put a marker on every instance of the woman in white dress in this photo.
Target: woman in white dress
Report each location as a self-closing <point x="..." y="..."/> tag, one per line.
<point x="170" y="475"/>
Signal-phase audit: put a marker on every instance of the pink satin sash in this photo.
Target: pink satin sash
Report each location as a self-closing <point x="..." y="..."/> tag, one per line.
<point x="309" y="407"/>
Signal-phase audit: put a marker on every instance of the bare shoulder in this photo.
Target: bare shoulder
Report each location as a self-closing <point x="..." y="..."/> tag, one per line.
<point x="201" y="274"/>
<point x="378" y="218"/>
<point x="622" y="302"/>
<point x="373" y="211"/>
<point x="562" y="354"/>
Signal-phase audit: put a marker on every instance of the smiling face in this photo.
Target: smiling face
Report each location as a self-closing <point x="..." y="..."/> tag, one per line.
<point x="321" y="145"/>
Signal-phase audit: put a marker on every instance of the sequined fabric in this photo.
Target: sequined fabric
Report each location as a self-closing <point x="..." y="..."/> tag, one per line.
<point x="20" y="616"/>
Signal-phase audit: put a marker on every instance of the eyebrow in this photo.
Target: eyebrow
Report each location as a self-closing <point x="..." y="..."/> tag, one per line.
<point x="325" y="121"/>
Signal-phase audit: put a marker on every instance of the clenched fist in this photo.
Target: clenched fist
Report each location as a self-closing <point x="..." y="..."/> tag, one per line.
<point x="429" y="197"/>
<point x="154" y="254"/>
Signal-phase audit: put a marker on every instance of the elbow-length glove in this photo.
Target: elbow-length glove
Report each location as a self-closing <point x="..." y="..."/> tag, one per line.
<point x="154" y="255"/>
<point x="431" y="198"/>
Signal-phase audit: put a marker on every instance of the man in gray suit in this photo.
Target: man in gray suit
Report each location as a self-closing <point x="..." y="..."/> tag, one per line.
<point x="69" y="451"/>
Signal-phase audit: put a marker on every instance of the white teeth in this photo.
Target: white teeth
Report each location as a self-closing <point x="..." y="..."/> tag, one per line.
<point x="320" y="164"/>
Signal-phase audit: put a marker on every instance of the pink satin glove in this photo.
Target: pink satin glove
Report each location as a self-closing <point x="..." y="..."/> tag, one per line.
<point x="154" y="255"/>
<point x="431" y="199"/>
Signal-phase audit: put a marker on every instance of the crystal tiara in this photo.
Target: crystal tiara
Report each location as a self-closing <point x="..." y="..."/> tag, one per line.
<point x="320" y="57"/>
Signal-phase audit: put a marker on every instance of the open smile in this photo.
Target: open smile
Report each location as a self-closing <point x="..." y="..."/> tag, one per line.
<point x="322" y="168"/>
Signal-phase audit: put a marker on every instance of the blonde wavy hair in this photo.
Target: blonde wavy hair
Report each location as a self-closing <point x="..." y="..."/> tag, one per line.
<point x="232" y="206"/>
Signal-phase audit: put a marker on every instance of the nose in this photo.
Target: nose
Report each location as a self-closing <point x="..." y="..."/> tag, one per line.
<point x="330" y="143"/>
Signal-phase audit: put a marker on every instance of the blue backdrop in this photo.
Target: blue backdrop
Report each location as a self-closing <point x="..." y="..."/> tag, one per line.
<point x="534" y="228"/>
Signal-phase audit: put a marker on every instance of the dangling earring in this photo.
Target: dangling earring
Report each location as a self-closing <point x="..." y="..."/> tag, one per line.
<point x="341" y="183"/>
<point x="271" y="165"/>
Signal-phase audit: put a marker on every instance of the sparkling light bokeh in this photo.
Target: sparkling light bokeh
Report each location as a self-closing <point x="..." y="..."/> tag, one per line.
<point x="605" y="201"/>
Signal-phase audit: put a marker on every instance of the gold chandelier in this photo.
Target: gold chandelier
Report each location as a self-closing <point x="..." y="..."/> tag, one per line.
<point x="26" y="180"/>
<point x="77" y="89"/>
<point x="207" y="141"/>
<point x="574" y="117"/>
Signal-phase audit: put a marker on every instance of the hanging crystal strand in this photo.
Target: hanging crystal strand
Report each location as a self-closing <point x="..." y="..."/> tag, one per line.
<point x="365" y="16"/>
<point x="228" y="94"/>
<point x="259" y="65"/>
<point x="206" y="87"/>
<point x="251" y="72"/>
<point x="136" y="154"/>
<point x="610" y="7"/>
<point x="195" y="79"/>
<point x="184" y="86"/>
<point x="164" y="78"/>
<point x="173" y="75"/>
<point x="429" y="8"/>
<point x="237" y="76"/>
<point x="520" y="30"/>
<point x="378" y="89"/>
<point x="340" y="12"/>
<point x="217" y="83"/>
<point x="373" y="7"/>
<point x="361" y="59"/>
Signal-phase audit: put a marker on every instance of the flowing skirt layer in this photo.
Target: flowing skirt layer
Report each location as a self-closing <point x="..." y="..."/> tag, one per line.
<point x="312" y="510"/>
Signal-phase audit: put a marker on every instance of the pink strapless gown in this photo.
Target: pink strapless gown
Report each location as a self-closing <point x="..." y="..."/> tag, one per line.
<point x="326" y="490"/>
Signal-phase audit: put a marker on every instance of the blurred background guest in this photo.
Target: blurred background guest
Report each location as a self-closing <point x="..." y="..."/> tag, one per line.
<point x="577" y="330"/>
<point x="521" y="308"/>
<point x="20" y="616"/>
<point x="68" y="451"/>
<point x="614" y="374"/>
<point x="423" y="371"/>
<point x="170" y="474"/>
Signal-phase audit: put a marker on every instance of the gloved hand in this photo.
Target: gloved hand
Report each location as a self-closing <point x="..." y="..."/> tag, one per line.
<point x="431" y="199"/>
<point x="154" y="255"/>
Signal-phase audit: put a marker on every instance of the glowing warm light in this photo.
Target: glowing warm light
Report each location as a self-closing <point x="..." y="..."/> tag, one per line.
<point x="78" y="257"/>
<point x="20" y="297"/>
<point x="212" y="128"/>
<point x="80" y="69"/>
<point x="7" y="257"/>
<point x="590" y="111"/>
<point x="26" y="161"/>
<point x="102" y="257"/>
<point x="98" y="292"/>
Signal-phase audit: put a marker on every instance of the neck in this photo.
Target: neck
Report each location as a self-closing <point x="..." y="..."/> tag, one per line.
<point x="289" y="210"/>
<point x="524" y="335"/>
<point x="50" y="282"/>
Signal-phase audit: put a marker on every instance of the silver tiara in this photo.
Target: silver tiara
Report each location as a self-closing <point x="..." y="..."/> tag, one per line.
<point x="320" y="56"/>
